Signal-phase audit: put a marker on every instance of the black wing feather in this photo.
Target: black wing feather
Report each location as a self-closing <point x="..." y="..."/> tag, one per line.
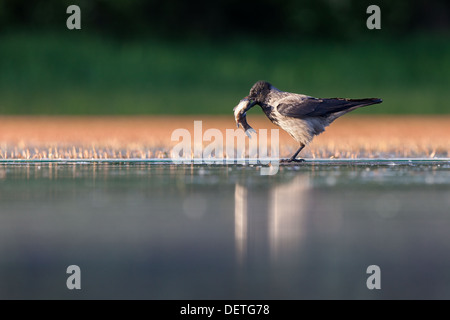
<point x="313" y="107"/>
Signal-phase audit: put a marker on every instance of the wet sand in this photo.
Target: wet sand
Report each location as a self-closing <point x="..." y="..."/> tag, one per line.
<point x="126" y="137"/>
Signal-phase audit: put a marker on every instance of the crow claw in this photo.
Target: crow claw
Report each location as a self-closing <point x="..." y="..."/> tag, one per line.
<point x="292" y="160"/>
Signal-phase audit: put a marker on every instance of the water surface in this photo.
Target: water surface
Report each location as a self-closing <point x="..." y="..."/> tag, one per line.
<point x="164" y="231"/>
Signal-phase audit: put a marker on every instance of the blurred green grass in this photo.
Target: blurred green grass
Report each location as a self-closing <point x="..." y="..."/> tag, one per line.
<point x="75" y="73"/>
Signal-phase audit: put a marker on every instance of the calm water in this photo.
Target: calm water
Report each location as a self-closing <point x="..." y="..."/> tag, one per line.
<point x="161" y="231"/>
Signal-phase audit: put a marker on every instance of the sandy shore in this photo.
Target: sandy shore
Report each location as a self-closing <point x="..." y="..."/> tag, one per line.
<point x="352" y="136"/>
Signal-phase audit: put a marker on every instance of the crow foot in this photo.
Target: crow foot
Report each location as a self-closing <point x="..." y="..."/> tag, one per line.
<point x="292" y="160"/>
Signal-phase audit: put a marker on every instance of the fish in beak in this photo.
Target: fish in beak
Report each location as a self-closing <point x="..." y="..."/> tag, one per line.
<point x="240" y="115"/>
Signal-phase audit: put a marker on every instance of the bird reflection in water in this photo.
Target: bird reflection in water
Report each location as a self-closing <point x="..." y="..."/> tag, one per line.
<point x="281" y="226"/>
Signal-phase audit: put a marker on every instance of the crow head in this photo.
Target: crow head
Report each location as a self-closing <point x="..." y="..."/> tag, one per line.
<point x="259" y="91"/>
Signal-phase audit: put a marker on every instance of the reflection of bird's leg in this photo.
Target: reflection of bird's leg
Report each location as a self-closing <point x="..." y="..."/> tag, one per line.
<point x="292" y="159"/>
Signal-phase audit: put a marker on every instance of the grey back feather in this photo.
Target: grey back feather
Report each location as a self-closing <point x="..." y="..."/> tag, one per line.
<point x="303" y="106"/>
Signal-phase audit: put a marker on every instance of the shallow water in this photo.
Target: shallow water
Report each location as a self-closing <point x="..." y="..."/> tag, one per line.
<point x="164" y="231"/>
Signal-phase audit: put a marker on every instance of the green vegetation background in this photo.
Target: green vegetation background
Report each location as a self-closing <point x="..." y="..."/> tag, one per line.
<point x="150" y="68"/>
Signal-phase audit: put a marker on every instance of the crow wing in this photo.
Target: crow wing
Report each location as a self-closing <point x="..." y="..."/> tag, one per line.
<point x="299" y="106"/>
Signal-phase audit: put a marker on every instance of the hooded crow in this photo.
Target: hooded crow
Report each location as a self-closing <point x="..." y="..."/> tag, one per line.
<point x="302" y="116"/>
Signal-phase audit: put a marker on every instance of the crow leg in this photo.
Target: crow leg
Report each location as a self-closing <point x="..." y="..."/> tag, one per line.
<point x="292" y="159"/>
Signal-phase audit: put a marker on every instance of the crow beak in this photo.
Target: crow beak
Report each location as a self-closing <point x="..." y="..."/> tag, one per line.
<point x="243" y="109"/>
<point x="250" y="105"/>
